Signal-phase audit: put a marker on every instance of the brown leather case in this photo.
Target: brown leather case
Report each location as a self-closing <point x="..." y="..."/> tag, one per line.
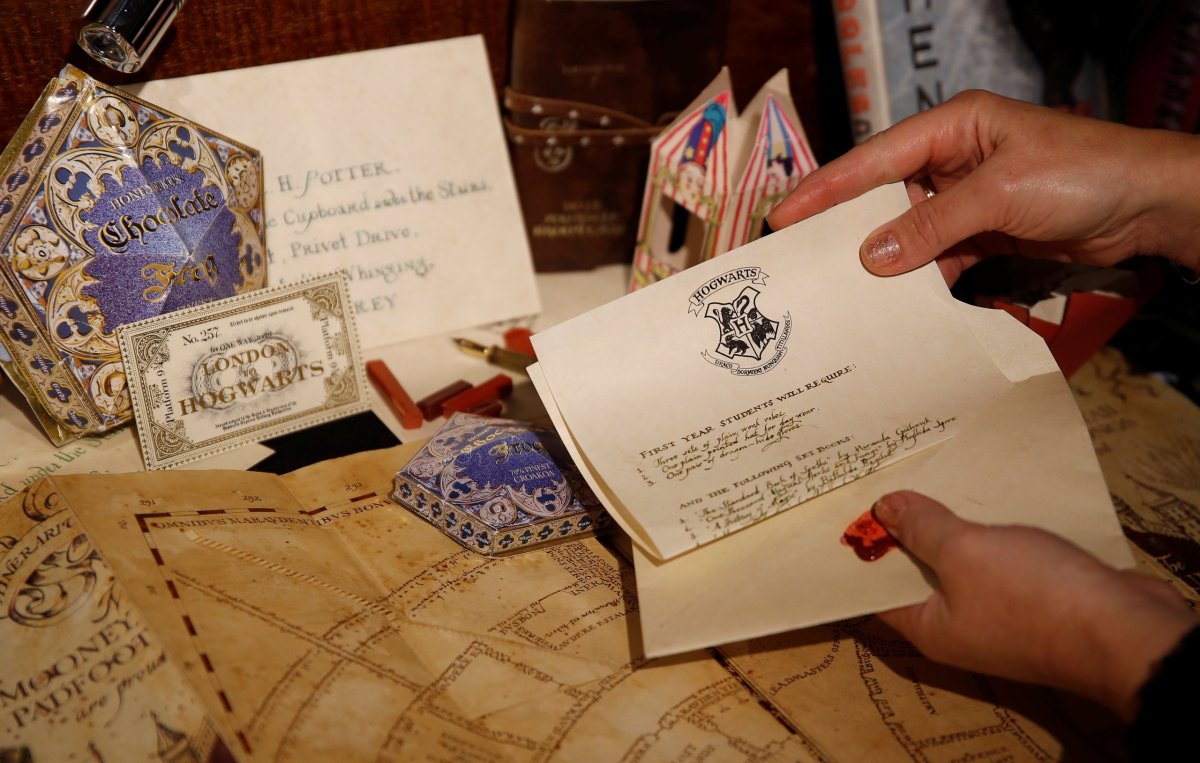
<point x="591" y="83"/>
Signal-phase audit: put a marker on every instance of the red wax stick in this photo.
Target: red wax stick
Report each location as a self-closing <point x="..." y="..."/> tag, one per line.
<point x="431" y="405"/>
<point x="517" y="339"/>
<point x="499" y="386"/>
<point x="401" y="404"/>
<point x="487" y="408"/>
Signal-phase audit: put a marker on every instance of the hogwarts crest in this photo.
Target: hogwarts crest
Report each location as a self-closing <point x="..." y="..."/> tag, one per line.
<point x="748" y="342"/>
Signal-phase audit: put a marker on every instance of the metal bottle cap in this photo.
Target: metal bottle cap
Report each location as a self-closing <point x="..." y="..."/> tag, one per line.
<point x="121" y="34"/>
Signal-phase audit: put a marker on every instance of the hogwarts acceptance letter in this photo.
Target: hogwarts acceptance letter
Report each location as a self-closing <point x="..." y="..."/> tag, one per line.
<point x="748" y="384"/>
<point x="730" y="400"/>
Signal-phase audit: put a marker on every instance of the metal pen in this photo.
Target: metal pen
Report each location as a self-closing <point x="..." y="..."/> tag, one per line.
<point x="497" y="355"/>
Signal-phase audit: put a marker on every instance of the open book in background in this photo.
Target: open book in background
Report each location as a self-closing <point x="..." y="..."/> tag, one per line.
<point x="899" y="59"/>
<point x="737" y="417"/>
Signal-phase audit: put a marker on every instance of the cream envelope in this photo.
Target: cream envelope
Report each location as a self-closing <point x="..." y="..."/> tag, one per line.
<point x="1020" y="454"/>
<point x="390" y="164"/>
<point x="1027" y="459"/>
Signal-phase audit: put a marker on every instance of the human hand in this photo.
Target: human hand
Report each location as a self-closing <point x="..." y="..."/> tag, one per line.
<point x="1015" y="178"/>
<point x="1021" y="603"/>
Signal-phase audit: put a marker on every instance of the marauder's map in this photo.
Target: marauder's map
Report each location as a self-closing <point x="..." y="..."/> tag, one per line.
<point x="307" y="618"/>
<point x="241" y="616"/>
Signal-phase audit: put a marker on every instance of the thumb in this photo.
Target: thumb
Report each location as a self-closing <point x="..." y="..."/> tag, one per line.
<point x="919" y="523"/>
<point x="905" y="620"/>
<point x="928" y="229"/>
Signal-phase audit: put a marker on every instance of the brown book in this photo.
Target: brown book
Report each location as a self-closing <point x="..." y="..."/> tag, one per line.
<point x="591" y="83"/>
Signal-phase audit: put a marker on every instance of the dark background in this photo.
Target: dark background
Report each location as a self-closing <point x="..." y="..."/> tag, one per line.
<point x="213" y="35"/>
<point x="760" y="38"/>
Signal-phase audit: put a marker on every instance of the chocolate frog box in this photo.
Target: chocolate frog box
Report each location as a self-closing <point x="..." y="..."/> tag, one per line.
<point x="497" y="486"/>
<point x="113" y="210"/>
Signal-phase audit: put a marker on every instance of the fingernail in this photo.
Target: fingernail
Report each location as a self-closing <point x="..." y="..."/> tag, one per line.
<point x="880" y="251"/>
<point x="889" y="508"/>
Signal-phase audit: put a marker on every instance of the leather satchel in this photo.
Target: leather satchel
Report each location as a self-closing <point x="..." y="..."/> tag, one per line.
<point x="591" y="83"/>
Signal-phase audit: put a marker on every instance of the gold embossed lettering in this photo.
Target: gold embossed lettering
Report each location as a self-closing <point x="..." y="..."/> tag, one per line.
<point x="164" y="275"/>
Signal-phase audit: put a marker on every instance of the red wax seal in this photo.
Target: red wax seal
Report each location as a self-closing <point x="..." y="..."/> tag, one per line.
<point x="868" y="538"/>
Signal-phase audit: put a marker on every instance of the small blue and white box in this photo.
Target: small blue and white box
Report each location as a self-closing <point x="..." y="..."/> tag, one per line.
<point x="498" y="486"/>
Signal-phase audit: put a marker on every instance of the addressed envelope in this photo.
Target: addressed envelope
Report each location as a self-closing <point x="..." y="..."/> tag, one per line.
<point x="1023" y="455"/>
<point x="214" y="377"/>
<point x="390" y="164"/>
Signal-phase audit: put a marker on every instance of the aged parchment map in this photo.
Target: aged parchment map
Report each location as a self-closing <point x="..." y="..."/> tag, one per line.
<point x="83" y="676"/>
<point x="1147" y="437"/>
<point x="231" y="615"/>
<point x="315" y="626"/>
<point x="858" y="691"/>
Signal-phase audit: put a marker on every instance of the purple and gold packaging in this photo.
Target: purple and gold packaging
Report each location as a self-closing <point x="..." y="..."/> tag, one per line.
<point x="498" y="486"/>
<point x="113" y="210"/>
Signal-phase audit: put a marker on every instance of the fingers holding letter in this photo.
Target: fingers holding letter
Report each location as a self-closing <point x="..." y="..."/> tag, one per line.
<point x="1022" y="603"/>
